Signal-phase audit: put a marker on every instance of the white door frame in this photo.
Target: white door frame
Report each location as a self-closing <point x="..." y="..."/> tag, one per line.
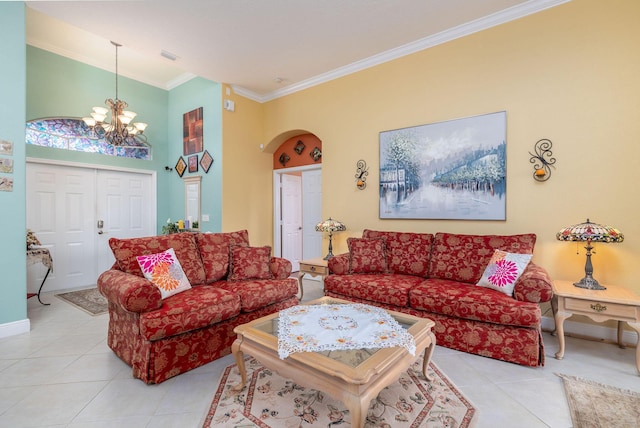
<point x="277" y="206"/>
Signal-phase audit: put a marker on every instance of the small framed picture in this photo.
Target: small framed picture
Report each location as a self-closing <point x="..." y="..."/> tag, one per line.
<point x="193" y="163"/>
<point x="205" y="161"/>
<point x="6" y="165"/>
<point x="181" y="165"/>
<point x="6" y="147"/>
<point x="6" y="184"/>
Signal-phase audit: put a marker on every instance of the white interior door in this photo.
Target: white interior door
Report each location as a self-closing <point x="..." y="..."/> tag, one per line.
<point x="312" y="213"/>
<point x="60" y="209"/>
<point x="124" y="210"/>
<point x="292" y="219"/>
<point x="64" y="204"/>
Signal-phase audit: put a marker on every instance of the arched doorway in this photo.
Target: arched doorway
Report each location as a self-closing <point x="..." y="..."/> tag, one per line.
<point x="297" y="164"/>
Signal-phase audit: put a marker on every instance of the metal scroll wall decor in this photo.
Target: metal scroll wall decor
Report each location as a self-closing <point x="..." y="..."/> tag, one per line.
<point x="542" y="160"/>
<point x="361" y="174"/>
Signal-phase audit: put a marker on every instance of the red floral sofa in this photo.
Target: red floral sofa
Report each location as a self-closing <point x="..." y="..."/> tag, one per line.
<point x="160" y="338"/>
<point x="434" y="276"/>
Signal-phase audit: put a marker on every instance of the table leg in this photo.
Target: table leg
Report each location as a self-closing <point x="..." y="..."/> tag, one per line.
<point x="559" y="319"/>
<point x="620" y="333"/>
<point x="428" y="353"/>
<point x="300" y="276"/>
<point x="41" y="285"/>
<point x="239" y="357"/>
<point x="636" y="327"/>
<point x="554" y="309"/>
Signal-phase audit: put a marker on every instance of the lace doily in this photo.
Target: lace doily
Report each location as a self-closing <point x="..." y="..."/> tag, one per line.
<point x="309" y="328"/>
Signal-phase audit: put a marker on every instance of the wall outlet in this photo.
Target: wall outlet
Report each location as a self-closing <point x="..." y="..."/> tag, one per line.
<point x="205" y="217"/>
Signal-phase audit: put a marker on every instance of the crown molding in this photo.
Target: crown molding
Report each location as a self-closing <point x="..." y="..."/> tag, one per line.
<point x="498" y="18"/>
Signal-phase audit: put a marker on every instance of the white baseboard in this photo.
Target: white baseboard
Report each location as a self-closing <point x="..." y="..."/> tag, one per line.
<point x="595" y="331"/>
<point x="14" y="328"/>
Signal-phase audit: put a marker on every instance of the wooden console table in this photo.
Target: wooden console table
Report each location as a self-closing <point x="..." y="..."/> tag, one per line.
<point x="40" y="255"/>
<point x="614" y="303"/>
<point x="313" y="267"/>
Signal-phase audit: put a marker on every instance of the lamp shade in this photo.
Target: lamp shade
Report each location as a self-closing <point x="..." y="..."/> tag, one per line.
<point x="330" y="225"/>
<point x="589" y="231"/>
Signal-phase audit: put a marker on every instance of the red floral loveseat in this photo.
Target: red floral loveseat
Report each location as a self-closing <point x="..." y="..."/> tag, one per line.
<point x="161" y="338"/>
<point x="434" y="276"/>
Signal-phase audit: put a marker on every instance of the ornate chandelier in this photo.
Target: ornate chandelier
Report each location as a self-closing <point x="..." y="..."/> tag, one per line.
<point x="118" y="131"/>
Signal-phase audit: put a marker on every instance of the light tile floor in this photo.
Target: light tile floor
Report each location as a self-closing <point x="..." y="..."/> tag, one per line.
<point x="62" y="374"/>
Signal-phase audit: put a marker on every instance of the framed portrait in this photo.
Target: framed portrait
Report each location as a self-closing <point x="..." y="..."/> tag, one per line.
<point x="192" y="140"/>
<point x="453" y="170"/>
<point x="193" y="163"/>
<point x="181" y="165"/>
<point x="205" y="161"/>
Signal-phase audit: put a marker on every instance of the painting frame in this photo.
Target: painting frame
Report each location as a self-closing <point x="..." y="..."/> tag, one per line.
<point x="449" y="170"/>
<point x="206" y="160"/>
<point x="192" y="132"/>
<point x="181" y="166"/>
<point x="193" y="163"/>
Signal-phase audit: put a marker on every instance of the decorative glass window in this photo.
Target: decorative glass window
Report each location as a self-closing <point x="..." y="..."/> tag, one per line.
<point x="73" y="134"/>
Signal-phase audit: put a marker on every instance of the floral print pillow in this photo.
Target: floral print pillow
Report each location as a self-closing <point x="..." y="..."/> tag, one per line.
<point x="249" y="263"/>
<point x="503" y="271"/>
<point x="164" y="271"/>
<point x="367" y="255"/>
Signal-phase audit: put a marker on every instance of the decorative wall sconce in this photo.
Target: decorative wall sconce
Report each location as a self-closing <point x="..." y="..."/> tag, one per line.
<point x="361" y="174"/>
<point x="542" y="160"/>
<point x="168" y="168"/>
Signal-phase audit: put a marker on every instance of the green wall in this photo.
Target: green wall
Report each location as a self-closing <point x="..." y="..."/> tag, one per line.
<point x="13" y="265"/>
<point x="190" y="96"/>
<point x="61" y="87"/>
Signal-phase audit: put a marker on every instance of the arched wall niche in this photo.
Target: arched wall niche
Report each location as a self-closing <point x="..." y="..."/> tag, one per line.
<point x="299" y="149"/>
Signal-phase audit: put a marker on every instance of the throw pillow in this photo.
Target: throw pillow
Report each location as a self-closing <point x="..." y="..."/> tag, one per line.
<point x="164" y="271"/>
<point x="503" y="271"/>
<point x="249" y="263"/>
<point x="367" y="255"/>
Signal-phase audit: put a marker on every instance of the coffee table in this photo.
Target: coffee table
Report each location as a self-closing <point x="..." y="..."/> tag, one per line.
<point x="353" y="376"/>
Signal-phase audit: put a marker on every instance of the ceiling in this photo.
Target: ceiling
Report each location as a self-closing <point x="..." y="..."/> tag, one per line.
<point x="263" y="48"/>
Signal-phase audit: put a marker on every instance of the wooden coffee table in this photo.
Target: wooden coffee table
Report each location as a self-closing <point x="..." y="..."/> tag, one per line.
<point x="354" y="381"/>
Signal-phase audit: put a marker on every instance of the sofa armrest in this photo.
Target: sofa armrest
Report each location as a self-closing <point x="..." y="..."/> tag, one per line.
<point x="534" y="285"/>
<point x="339" y="264"/>
<point x="133" y="293"/>
<point x="280" y="268"/>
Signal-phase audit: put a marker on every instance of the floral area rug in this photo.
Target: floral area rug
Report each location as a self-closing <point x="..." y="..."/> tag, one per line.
<point x="595" y="405"/>
<point x="89" y="300"/>
<point x="270" y="401"/>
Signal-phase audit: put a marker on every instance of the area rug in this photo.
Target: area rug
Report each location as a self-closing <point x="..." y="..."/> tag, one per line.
<point x="89" y="300"/>
<point x="270" y="401"/>
<point x="595" y="405"/>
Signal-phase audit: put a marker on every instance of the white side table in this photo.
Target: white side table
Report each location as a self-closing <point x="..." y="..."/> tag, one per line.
<point x="313" y="267"/>
<point x="614" y="303"/>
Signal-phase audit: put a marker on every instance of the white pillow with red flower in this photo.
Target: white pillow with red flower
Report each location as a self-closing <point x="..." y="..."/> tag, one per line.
<point x="503" y="271"/>
<point x="165" y="272"/>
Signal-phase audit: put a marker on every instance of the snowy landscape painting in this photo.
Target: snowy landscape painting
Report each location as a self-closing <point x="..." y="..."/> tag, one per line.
<point x="454" y="170"/>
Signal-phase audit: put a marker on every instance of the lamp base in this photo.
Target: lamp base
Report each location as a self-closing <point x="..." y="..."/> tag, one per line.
<point x="589" y="283"/>
<point x="327" y="257"/>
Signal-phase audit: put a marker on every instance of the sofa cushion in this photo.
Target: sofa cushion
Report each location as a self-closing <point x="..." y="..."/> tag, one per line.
<point x="407" y="252"/>
<point x="184" y="244"/>
<point x="214" y="250"/>
<point x="249" y="263"/>
<point x="195" y="308"/>
<point x="463" y="258"/>
<point x="467" y="301"/>
<point x="258" y="293"/>
<point x="367" y="255"/>
<point x="164" y="271"/>
<point x="386" y="288"/>
<point x="503" y="271"/>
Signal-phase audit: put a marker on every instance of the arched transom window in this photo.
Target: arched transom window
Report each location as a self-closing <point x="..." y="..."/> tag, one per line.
<point x="73" y="134"/>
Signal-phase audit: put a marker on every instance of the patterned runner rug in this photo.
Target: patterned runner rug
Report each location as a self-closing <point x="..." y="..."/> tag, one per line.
<point x="89" y="300"/>
<point x="270" y="401"/>
<point x="595" y="405"/>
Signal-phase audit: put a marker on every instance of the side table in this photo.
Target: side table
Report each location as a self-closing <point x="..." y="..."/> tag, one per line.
<point x="614" y="303"/>
<point x="313" y="267"/>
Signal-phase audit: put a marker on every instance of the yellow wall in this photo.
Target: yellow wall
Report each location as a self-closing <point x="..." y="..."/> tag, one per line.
<point x="570" y="74"/>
